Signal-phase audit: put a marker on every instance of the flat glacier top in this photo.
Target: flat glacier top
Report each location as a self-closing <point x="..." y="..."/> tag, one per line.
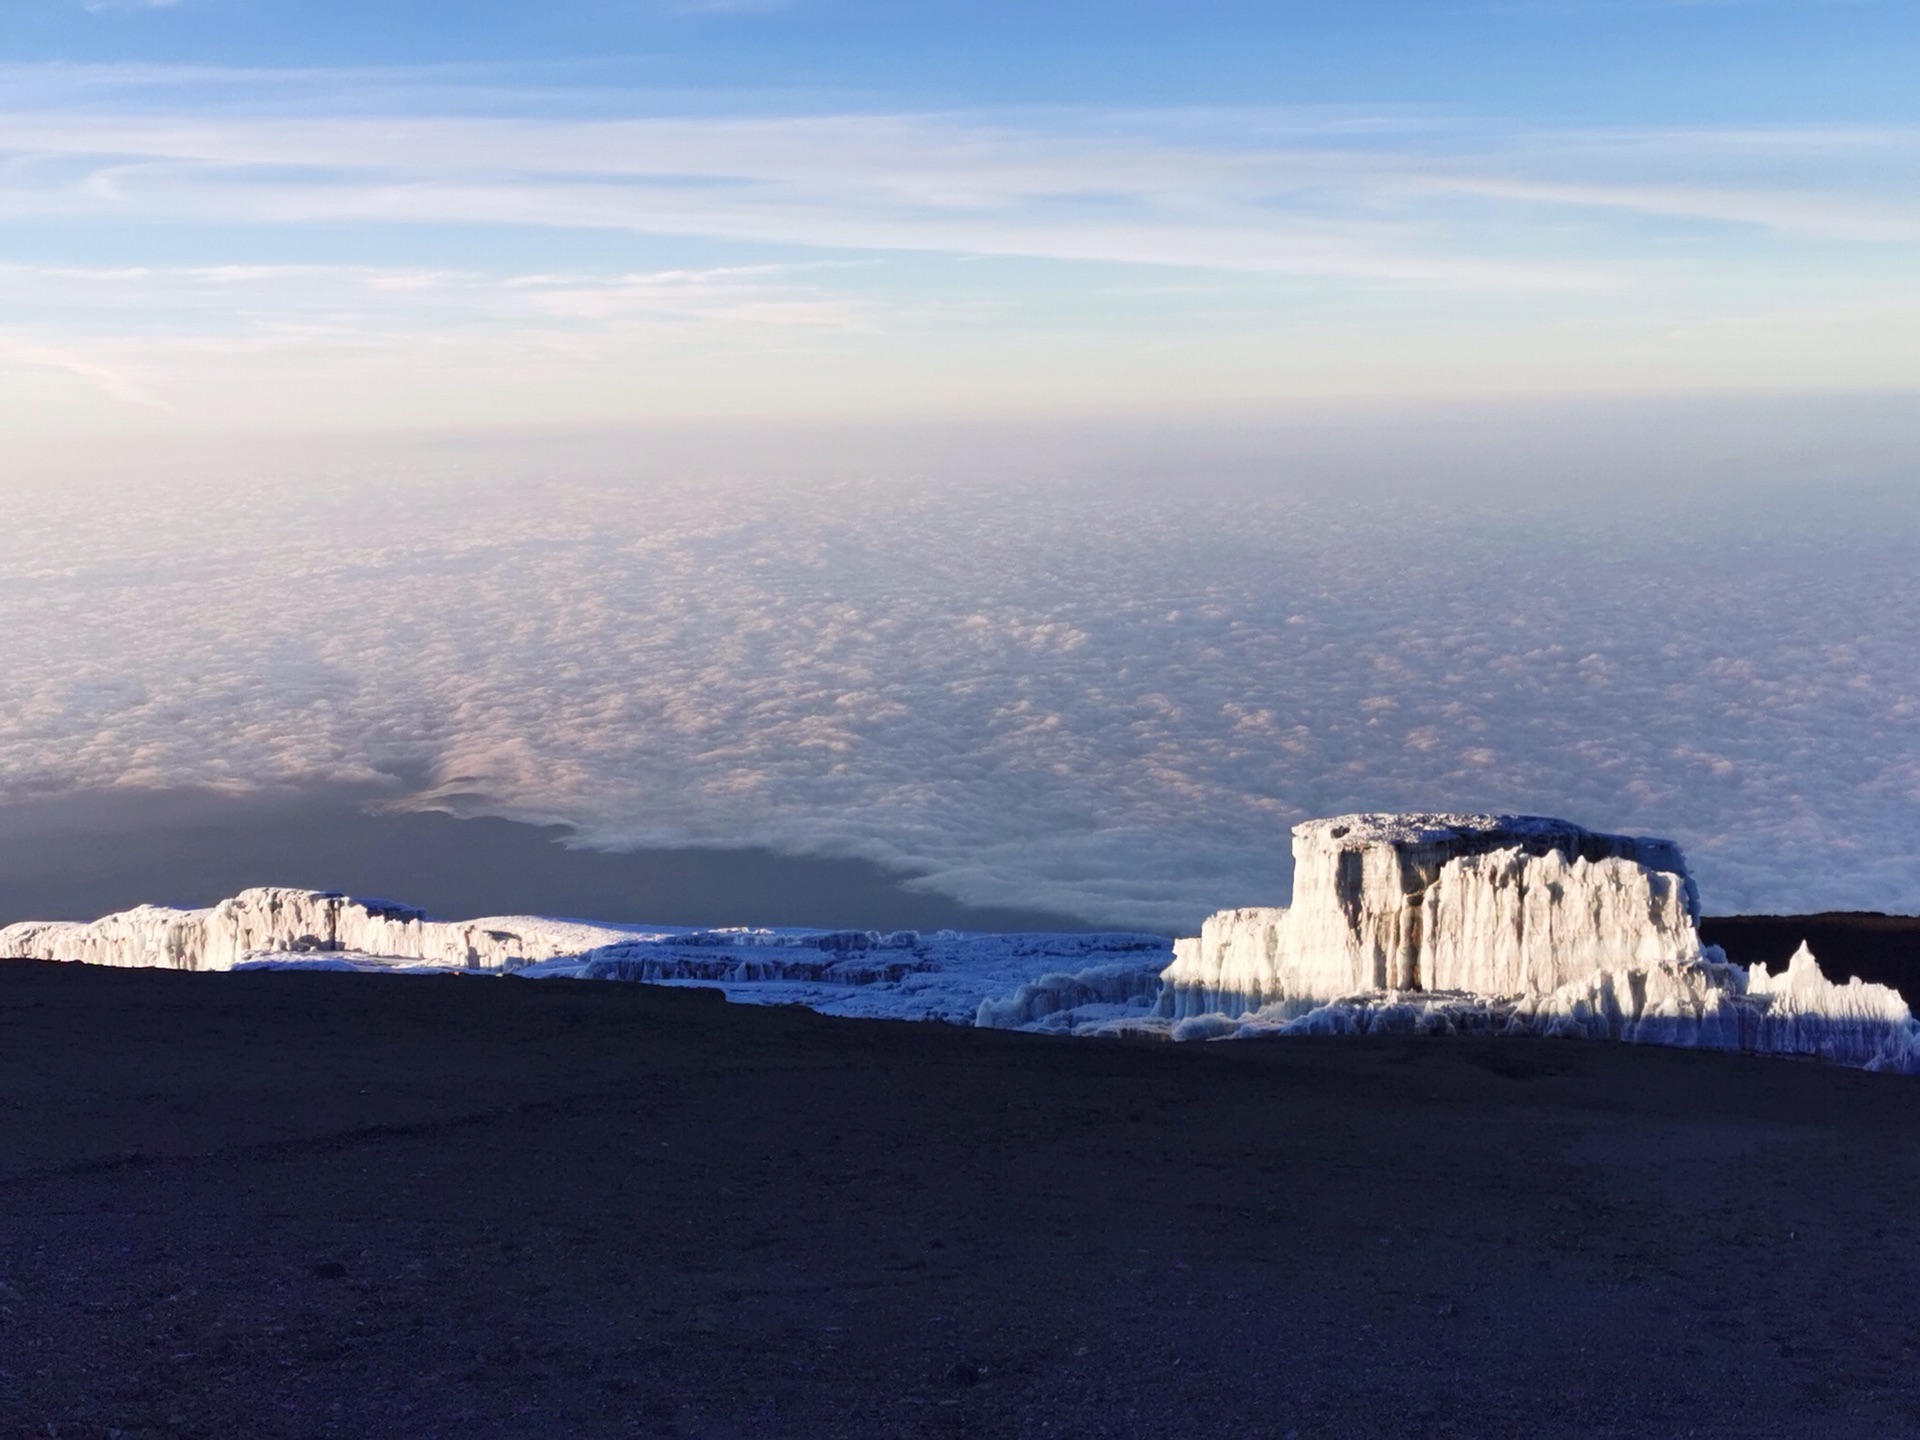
<point x="1428" y="828"/>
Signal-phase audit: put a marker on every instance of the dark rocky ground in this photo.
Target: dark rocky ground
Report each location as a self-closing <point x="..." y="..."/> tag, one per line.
<point x="325" y="1205"/>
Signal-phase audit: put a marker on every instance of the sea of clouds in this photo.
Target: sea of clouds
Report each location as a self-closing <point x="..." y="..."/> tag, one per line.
<point x="1102" y="680"/>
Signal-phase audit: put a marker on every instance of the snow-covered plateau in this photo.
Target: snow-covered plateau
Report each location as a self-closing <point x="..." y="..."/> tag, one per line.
<point x="1418" y="924"/>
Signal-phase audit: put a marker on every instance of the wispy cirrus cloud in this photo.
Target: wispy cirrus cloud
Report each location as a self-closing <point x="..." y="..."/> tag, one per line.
<point x="1391" y="196"/>
<point x="1377" y="196"/>
<point x="749" y="298"/>
<point x="111" y="381"/>
<point x="1491" y="254"/>
<point x="129" y="334"/>
<point x="901" y="183"/>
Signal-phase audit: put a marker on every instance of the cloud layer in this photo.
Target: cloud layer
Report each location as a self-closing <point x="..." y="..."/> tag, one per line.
<point x="1096" y="689"/>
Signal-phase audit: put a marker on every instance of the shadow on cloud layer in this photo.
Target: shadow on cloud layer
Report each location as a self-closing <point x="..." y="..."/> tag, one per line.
<point x="1105" y="690"/>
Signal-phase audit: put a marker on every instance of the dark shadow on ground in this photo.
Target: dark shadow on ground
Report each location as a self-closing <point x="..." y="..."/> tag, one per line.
<point x="296" y="1206"/>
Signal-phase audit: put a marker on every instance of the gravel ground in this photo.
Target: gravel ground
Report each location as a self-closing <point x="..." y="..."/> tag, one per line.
<point x="332" y="1205"/>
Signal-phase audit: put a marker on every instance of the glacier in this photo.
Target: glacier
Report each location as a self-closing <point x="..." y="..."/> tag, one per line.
<point x="1400" y="924"/>
<point x="1508" y="925"/>
<point x="910" y="975"/>
<point x="274" y="921"/>
<point x="1493" y="904"/>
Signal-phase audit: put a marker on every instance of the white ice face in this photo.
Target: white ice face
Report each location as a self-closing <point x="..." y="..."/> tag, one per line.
<point x="1509" y="942"/>
<point x="1482" y="904"/>
<point x="286" y="922"/>
<point x="1704" y="1006"/>
<point x="1012" y="980"/>
<point x="1509" y="925"/>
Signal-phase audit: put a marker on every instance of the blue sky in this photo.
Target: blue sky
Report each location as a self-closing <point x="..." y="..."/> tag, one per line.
<point x="1617" y="60"/>
<point x="243" y="214"/>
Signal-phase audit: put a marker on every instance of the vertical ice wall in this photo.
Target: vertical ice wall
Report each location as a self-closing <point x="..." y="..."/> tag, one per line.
<point x="1493" y="904"/>
<point x="298" y="921"/>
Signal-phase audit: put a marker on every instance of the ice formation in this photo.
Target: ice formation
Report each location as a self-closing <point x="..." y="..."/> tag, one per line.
<point x="1434" y="924"/>
<point x="945" y="975"/>
<point x="1495" y="904"/>
<point x="272" y="921"/>
<point x="907" y="975"/>
<point x="1509" y="924"/>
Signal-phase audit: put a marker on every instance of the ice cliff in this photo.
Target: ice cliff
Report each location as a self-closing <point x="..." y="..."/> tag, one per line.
<point x="946" y="975"/>
<point x="1508" y="924"/>
<point x="1485" y="924"/>
<point x="1496" y="904"/>
<point x="272" y="921"/>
